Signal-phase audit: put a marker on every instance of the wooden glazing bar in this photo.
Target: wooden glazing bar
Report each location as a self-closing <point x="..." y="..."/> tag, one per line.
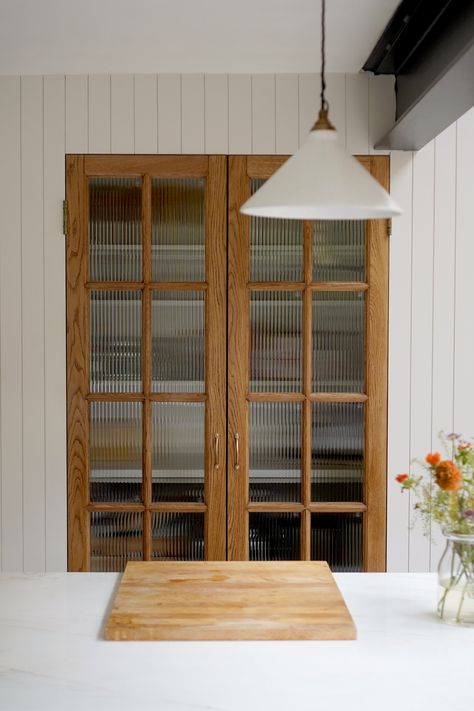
<point x="147" y="543"/>
<point x="306" y="535"/>
<point x="276" y="285"/>
<point x="177" y="286"/>
<point x="337" y="507"/>
<point x="147" y="476"/>
<point x="115" y="506"/>
<point x="275" y="506"/>
<point x="275" y="397"/>
<point x="338" y="397"/>
<point x="339" y="286"/>
<point x="146" y="228"/>
<point x="115" y="397"/>
<point x="179" y="506"/>
<point x="115" y="285"/>
<point x="178" y="397"/>
<point x="163" y="166"/>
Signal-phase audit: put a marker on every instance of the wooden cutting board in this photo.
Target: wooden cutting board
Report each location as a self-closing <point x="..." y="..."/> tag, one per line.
<point x="228" y="601"/>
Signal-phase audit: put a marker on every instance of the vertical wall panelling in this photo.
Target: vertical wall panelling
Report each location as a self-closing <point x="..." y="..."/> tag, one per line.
<point x="11" y="406"/>
<point x="421" y="331"/>
<point x="464" y="333"/>
<point x="169" y="113"/>
<point x="398" y="513"/>
<point x="122" y="114"/>
<point x="77" y="119"/>
<point x="443" y="298"/>
<point x="287" y="120"/>
<point x="336" y="98"/>
<point x="240" y="114"/>
<point x="381" y="109"/>
<point x="192" y="99"/>
<point x="216" y="113"/>
<point x="357" y="113"/>
<point x="32" y="280"/>
<point x="54" y="314"/>
<point x="99" y="113"/>
<point x="146" y="113"/>
<point x="308" y="106"/>
<point x="263" y="113"/>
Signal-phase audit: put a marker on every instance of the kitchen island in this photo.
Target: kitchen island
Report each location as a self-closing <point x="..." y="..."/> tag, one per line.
<point x="53" y="656"/>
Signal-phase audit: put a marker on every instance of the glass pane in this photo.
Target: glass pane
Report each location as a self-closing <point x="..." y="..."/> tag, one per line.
<point x="178" y="341"/>
<point x="177" y="229"/>
<point x="275" y="451"/>
<point x="338" y="341"/>
<point x="337" y="458"/>
<point x="274" y="536"/>
<point x="275" y="341"/>
<point x="337" y="539"/>
<point x="115" y="230"/>
<point x="178" y="451"/>
<point x="339" y="250"/>
<point x="177" y="536"/>
<point x="115" y="451"/>
<point x="116" y="537"/>
<point x="276" y="247"/>
<point x="115" y="341"/>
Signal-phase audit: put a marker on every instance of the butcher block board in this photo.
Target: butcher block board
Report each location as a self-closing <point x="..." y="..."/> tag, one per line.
<point x="228" y="601"/>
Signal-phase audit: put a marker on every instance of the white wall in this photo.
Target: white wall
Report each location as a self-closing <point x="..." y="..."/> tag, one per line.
<point x="42" y="118"/>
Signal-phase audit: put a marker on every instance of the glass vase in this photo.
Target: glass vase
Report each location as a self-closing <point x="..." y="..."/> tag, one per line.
<point x="456" y="580"/>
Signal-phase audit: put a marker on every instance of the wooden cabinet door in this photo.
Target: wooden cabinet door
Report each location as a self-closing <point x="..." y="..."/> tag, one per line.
<point x="307" y="333"/>
<point x="146" y="351"/>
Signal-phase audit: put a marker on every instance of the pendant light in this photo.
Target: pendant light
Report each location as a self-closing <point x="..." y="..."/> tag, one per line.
<point x="321" y="181"/>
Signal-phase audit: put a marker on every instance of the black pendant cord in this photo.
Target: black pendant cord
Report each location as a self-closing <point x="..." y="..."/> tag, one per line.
<point x="324" y="103"/>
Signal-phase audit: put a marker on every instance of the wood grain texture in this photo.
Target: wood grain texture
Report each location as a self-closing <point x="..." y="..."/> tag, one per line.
<point x="164" y="166"/>
<point x="216" y="358"/>
<point x="229" y="601"/>
<point x="77" y="368"/>
<point x="376" y="376"/>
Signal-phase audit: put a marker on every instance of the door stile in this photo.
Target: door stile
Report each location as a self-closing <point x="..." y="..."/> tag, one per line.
<point x="238" y="361"/>
<point x="216" y="359"/>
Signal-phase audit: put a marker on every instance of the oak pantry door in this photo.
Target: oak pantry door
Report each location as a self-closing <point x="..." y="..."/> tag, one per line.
<point x="226" y="375"/>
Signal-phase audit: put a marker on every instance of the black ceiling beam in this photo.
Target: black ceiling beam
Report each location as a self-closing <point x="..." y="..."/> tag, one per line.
<point x="429" y="46"/>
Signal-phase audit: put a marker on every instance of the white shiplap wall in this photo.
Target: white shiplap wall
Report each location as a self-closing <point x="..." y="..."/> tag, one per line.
<point x="42" y="118"/>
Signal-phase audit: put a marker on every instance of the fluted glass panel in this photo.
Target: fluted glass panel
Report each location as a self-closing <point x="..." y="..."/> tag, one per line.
<point x="116" y="537"/>
<point x="177" y="229"/>
<point x="337" y="539"/>
<point x="178" y="341"/>
<point x="115" y="341"/>
<point x="275" y="341"/>
<point x="115" y="231"/>
<point x="115" y="451"/>
<point x="275" y="451"/>
<point x="338" y="341"/>
<point x="274" y="536"/>
<point x="337" y="455"/>
<point x="177" y="536"/>
<point x="276" y="247"/>
<point x="178" y="451"/>
<point x="339" y="250"/>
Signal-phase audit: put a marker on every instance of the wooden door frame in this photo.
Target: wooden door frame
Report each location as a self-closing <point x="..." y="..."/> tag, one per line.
<point x="374" y="506"/>
<point x="78" y="169"/>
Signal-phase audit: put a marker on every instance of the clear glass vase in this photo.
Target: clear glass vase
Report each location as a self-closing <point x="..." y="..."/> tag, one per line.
<point x="456" y="580"/>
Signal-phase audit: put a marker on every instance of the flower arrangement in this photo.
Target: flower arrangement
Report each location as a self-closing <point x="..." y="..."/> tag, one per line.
<point x="446" y="494"/>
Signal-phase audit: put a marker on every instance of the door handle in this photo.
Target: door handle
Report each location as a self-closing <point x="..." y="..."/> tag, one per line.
<point x="216" y="450"/>
<point x="237" y="457"/>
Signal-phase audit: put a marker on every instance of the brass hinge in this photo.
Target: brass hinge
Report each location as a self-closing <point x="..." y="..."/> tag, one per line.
<point x="389" y="226"/>
<point x="65" y="217"/>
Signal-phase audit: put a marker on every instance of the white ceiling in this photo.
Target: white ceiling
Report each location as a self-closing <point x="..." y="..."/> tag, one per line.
<point x="95" y="36"/>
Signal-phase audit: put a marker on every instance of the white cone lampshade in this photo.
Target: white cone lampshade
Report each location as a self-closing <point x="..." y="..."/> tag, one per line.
<point x="321" y="181"/>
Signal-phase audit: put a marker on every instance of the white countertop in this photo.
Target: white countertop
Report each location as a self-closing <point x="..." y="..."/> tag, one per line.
<point x="52" y="656"/>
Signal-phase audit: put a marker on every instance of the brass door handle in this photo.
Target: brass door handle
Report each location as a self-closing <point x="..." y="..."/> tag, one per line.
<point x="237" y="458"/>
<point x="216" y="450"/>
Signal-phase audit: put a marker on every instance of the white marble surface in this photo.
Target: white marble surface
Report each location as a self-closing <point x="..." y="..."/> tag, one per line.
<point x="52" y="655"/>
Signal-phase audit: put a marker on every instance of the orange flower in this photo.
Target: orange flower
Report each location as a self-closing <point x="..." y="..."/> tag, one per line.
<point x="433" y="458"/>
<point x="401" y="478"/>
<point x="448" y="476"/>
